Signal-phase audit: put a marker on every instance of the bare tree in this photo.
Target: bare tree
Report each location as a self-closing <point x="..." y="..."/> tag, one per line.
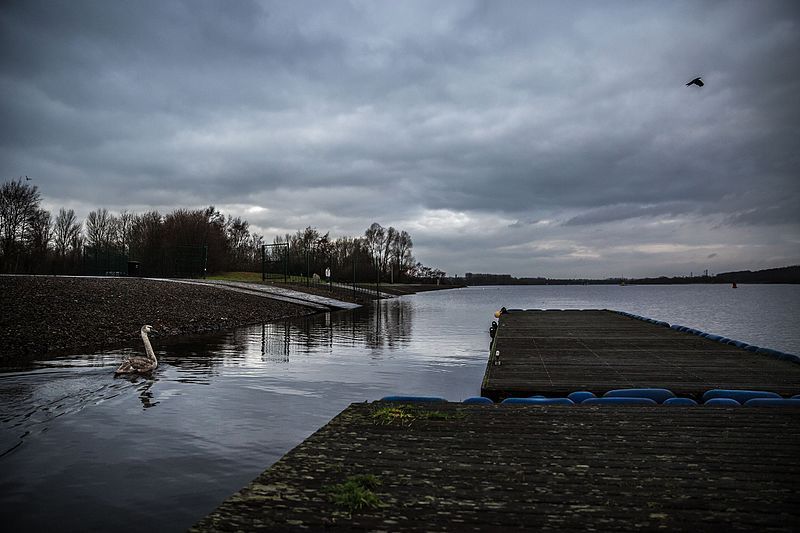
<point x="19" y="203"/>
<point x="146" y="240"/>
<point x="254" y="249"/>
<point x="41" y="231"/>
<point x="190" y="235"/>
<point x="307" y="239"/>
<point x="66" y="230"/>
<point x="100" y="228"/>
<point x="401" y="252"/>
<point x="375" y="237"/>
<point x="124" y="226"/>
<point x="386" y="252"/>
<point x="237" y="231"/>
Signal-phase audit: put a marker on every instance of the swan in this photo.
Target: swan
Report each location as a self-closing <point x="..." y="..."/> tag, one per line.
<point x="137" y="364"/>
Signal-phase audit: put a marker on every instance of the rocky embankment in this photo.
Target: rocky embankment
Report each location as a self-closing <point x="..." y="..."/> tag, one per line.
<point x="42" y="315"/>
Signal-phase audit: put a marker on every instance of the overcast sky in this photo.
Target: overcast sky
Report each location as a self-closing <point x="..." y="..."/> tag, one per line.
<point x="531" y="138"/>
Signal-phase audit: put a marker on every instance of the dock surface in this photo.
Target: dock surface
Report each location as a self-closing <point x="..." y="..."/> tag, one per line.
<point x="457" y="467"/>
<point x="553" y="353"/>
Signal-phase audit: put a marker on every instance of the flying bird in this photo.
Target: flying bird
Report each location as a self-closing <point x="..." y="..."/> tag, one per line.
<point x="138" y="364"/>
<point x="697" y="81"/>
<point x="27" y="178"/>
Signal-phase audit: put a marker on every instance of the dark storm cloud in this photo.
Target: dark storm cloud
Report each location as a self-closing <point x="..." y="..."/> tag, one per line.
<point x="508" y="136"/>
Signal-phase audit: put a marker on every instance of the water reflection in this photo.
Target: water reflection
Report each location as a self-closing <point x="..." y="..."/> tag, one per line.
<point x="67" y="385"/>
<point x="143" y="385"/>
<point x="389" y="326"/>
<point x="275" y="342"/>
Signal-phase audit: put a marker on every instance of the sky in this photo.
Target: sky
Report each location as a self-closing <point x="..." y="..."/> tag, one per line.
<point x="551" y="139"/>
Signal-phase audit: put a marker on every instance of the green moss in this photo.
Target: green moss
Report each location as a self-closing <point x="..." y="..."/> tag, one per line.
<point x="356" y="493"/>
<point x="405" y="415"/>
<point x="389" y="416"/>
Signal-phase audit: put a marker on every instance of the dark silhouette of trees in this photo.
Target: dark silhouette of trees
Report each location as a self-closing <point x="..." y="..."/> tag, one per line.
<point x="375" y="240"/>
<point x="24" y="226"/>
<point x="67" y="242"/>
<point x="237" y="231"/>
<point x="101" y="229"/>
<point x="124" y="226"/>
<point x="381" y="254"/>
<point x="390" y="252"/>
<point x="401" y="254"/>
<point x="187" y="242"/>
<point x="66" y="232"/>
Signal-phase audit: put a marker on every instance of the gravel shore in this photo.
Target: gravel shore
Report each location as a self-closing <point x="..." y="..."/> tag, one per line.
<point x="42" y="316"/>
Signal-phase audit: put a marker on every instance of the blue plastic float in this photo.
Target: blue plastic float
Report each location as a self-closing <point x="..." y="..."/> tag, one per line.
<point x="773" y="402"/>
<point x="478" y="400"/>
<point x="678" y="402"/>
<point x="580" y="396"/>
<point x="657" y="395"/>
<point x="722" y="402"/>
<point x="539" y="401"/>
<point x="618" y="401"/>
<point x="739" y="395"/>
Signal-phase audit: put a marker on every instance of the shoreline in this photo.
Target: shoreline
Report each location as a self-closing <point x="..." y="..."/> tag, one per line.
<point x="45" y="316"/>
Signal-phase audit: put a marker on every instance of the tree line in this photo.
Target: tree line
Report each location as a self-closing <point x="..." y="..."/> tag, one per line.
<point x="188" y="242"/>
<point x="380" y="255"/>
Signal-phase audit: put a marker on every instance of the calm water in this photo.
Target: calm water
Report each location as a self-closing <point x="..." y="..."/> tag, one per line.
<point x="82" y="450"/>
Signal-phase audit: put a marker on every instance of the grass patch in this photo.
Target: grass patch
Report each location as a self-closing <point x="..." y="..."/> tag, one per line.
<point x="356" y="493"/>
<point x="237" y="276"/>
<point x="392" y="416"/>
<point x="255" y="277"/>
<point x="405" y="415"/>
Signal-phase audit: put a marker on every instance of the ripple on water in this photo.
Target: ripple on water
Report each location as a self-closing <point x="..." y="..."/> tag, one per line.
<point x="31" y="401"/>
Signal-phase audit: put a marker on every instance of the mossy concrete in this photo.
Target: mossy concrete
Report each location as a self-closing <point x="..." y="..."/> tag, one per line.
<point x="493" y="467"/>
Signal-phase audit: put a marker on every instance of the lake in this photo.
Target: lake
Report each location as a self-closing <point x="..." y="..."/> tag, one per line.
<point x="82" y="450"/>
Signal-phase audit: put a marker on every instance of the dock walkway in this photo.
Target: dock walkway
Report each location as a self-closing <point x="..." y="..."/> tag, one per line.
<point x="500" y="467"/>
<point x="554" y="353"/>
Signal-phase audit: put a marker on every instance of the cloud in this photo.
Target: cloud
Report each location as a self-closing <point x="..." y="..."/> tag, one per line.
<point x="612" y="213"/>
<point x="489" y="131"/>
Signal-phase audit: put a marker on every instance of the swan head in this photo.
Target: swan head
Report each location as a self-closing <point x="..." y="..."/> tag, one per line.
<point x="148" y="329"/>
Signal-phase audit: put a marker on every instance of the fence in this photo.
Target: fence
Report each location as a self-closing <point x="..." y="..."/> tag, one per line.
<point x="104" y="261"/>
<point x="275" y="262"/>
<point x="185" y="261"/>
<point x="315" y="267"/>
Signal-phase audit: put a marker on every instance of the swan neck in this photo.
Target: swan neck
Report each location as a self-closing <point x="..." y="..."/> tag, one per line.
<point x="148" y="347"/>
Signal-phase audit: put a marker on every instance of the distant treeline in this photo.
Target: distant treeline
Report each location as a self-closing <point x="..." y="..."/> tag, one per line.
<point x="790" y="274"/>
<point x="188" y="242"/>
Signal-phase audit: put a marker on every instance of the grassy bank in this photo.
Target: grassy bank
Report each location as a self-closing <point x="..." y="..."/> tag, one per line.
<point x="302" y="284"/>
